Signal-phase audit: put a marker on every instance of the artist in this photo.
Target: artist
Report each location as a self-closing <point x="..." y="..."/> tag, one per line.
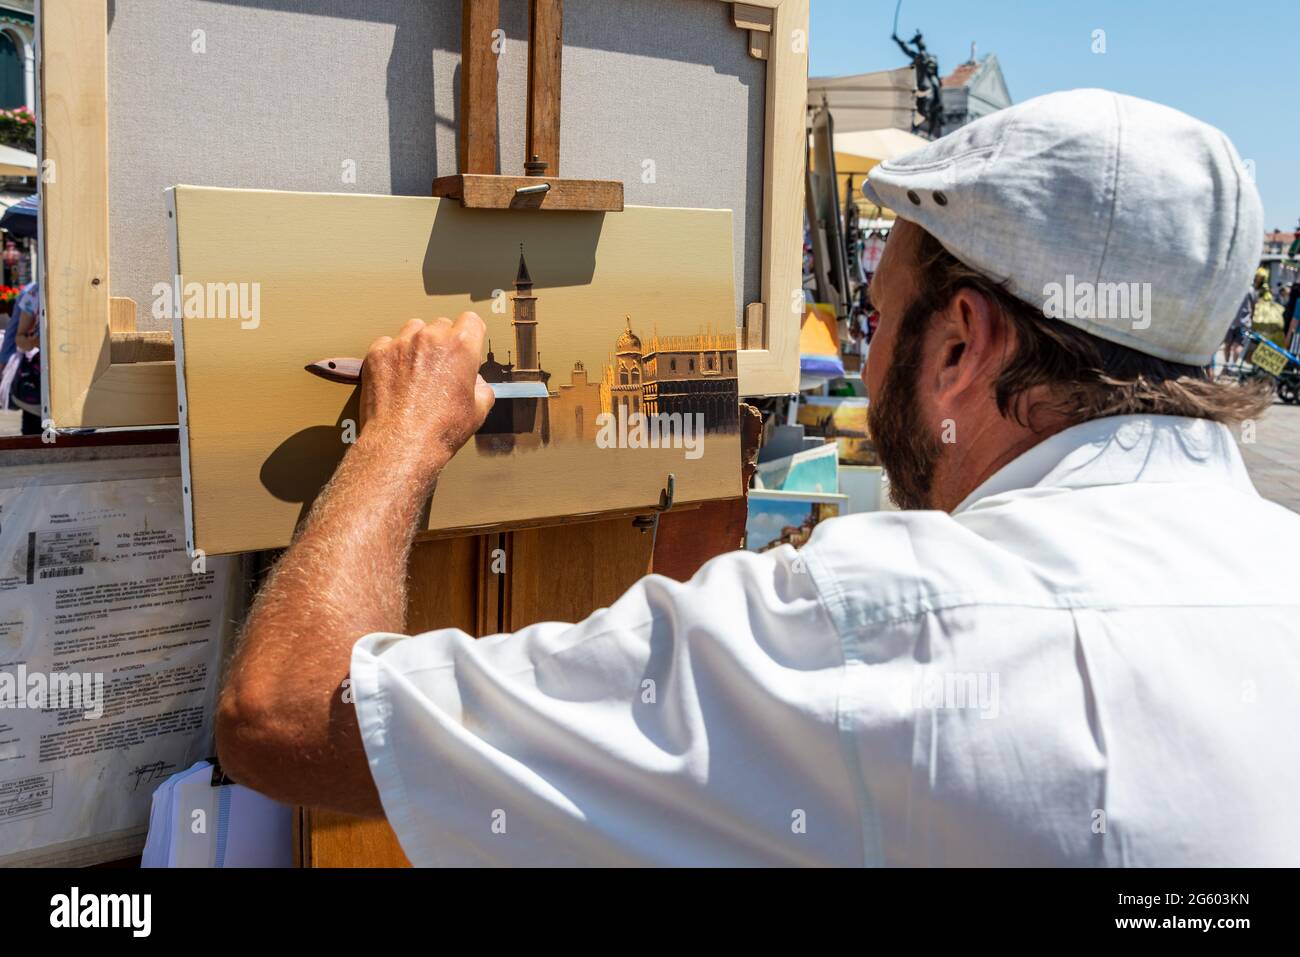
<point x="1056" y="655"/>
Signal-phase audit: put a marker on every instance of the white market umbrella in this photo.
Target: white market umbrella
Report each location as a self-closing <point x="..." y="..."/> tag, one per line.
<point x="877" y="145"/>
<point x="16" y="162"/>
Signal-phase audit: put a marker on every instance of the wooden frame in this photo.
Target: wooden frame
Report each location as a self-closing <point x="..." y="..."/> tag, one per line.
<point x="773" y="368"/>
<point x="88" y="337"/>
<point x="83" y="385"/>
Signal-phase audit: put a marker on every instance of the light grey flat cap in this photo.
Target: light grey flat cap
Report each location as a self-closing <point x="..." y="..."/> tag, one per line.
<point x="1128" y="219"/>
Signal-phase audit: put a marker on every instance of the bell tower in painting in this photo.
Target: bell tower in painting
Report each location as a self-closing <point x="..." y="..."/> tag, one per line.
<point x="524" y="320"/>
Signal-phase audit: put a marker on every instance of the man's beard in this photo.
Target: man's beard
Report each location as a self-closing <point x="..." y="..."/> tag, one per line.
<point x="908" y="451"/>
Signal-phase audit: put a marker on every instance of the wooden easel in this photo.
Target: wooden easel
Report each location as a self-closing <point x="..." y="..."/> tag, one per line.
<point x="461" y="583"/>
<point x="479" y="185"/>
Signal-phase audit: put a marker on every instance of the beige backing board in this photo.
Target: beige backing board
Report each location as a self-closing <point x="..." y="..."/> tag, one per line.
<point x="632" y="308"/>
<point x="689" y="103"/>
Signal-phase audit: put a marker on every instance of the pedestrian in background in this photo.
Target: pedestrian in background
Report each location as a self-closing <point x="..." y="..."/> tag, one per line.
<point x="1234" y="343"/>
<point x="20" y="369"/>
<point x="1289" y="318"/>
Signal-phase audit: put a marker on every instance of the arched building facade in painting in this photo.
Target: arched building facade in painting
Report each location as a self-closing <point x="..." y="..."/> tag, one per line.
<point x="674" y="374"/>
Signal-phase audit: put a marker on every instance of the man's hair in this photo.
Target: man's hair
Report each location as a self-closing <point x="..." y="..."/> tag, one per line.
<point x="1085" y="376"/>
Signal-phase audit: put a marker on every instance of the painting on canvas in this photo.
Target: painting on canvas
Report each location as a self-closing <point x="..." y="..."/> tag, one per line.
<point x="610" y="342"/>
<point x="788" y="518"/>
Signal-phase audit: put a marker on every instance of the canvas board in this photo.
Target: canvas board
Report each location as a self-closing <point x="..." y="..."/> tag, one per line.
<point x="632" y="310"/>
<point x="777" y="518"/>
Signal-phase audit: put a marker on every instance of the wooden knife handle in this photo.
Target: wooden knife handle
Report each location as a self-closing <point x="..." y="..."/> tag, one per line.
<point x="337" y="370"/>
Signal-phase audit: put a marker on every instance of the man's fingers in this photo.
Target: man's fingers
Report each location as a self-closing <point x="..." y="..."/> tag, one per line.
<point x="471" y="330"/>
<point x="412" y="327"/>
<point x="370" y="357"/>
<point x="484" y="397"/>
<point x="470" y="320"/>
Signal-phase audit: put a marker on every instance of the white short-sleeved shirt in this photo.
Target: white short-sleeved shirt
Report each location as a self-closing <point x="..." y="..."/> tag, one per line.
<point x="1094" y="660"/>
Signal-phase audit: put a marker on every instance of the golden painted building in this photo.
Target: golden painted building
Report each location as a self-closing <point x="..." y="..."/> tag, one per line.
<point x="674" y="374"/>
<point x="574" y="406"/>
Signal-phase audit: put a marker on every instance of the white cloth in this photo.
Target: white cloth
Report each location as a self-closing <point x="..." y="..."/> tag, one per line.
<point x="1094" y="660"/>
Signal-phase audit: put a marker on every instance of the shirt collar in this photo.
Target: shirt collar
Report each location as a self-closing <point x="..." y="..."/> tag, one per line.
<point x="1119" y="450"/>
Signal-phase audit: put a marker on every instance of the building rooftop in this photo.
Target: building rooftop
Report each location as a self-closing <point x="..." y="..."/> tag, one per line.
<point x="963" y="74"/>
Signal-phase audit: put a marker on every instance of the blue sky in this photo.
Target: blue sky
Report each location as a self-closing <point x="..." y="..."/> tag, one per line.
<point x="1233" y="64"/>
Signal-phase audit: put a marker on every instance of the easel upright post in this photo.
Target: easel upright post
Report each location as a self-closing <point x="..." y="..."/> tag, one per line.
<point x="545" y="47"/>
<point x="478" y="86"/>
<point x="478" y="185"/>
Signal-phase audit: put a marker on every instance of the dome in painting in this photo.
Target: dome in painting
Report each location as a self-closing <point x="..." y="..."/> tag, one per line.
<point x="627" y="341"/>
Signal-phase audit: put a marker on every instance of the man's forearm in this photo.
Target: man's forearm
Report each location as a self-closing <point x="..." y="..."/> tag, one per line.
<point x="283" y="726"/>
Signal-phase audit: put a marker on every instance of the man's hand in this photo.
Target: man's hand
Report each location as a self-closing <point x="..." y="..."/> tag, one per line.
<point x="422" y="389"/>
<point x="285" y="725"/>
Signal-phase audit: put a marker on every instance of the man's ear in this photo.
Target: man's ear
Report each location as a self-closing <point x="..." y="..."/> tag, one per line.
<point x="967" y="348"/>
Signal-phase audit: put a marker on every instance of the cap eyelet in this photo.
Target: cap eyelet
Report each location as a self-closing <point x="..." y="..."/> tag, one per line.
<point x="912" y="195"/>
<point x="941" y="199"/>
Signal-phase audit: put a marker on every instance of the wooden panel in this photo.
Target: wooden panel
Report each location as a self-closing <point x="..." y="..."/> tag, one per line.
<point x="545" y="45"/>
<point x="686" y="540"/>
<point x="142" y="347"/>
<point x="752" y="330"/>
<point x="493" y="572"/>
<point x="501" y="192"/>
<point x="331" y="839"/>
<point x="121" y="314"/>
<point x="74" y="200"/>
<point x="83" y="440"/>
<point x="566" y="572"/>
<point x="82" y="387"/>
<point x="130" y="345"/>
<point x="130" y="394"/>
<point x="258" y="456"/>
<point x="774" y="368"/>
<point x="748" y="16"/>
<point x="443" y="585"/>
<point x="443" y="593"/>
<point x="478" y="86"/>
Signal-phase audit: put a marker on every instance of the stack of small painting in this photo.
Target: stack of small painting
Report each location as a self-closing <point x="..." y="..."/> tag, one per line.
<point x="788" y="518"/>
<point x="842" y="419"/>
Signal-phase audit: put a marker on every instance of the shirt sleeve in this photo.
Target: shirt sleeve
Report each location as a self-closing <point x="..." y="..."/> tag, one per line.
<point x="689" y="723"/>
